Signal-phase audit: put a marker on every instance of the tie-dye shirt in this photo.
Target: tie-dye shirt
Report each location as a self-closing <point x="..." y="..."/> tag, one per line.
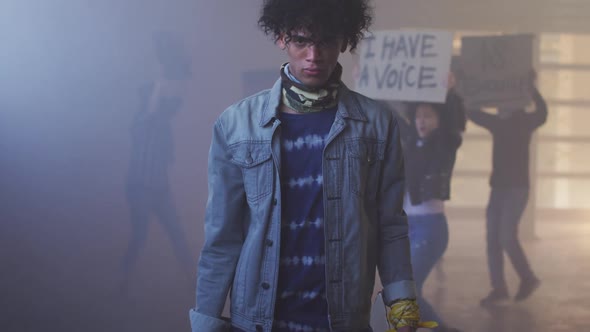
<point x="301" y="295"/>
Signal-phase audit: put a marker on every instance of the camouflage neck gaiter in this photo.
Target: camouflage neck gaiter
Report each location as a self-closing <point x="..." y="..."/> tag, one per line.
<point x="303" y="99"/>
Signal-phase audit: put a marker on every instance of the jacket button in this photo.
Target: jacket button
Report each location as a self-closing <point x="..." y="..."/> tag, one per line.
<point x="265" y="285"/>
<point x="249" y="160"/>
<point x="259" y="328"/>
<point x="275" y="202"/>
<point x="269" y="242"/>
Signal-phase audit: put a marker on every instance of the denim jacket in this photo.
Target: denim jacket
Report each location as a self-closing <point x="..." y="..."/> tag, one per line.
<point x="365" y="225"/>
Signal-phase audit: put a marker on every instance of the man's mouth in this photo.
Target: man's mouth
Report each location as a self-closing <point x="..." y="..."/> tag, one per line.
<point x="313" y="71"/>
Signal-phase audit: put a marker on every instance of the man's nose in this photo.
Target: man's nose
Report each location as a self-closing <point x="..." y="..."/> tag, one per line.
<point x="314" y="53"/>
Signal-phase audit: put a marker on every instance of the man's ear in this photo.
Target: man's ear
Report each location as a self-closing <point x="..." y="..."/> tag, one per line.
<point x="281" y="42"/>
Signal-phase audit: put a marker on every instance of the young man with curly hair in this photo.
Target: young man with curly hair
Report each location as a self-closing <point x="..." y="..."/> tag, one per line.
<point x="306" y="185"/>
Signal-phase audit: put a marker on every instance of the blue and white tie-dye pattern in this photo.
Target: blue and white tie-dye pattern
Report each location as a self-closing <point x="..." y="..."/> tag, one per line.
<point x="301" y="296"/>
<point x="307" y="142"/>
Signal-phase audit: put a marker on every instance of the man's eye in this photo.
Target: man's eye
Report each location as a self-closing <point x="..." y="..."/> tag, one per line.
<point x="300" y="41"/>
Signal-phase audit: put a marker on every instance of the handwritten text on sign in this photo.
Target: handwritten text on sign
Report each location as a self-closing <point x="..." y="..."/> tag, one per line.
<point x="405" y="65"/>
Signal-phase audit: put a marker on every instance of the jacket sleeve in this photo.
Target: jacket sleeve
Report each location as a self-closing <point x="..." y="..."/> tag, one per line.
<point x="538" y="118"/>
<point x="223" y="237"/>
<point x="482" y="119"/>
<point x="457" y="113"/>
<point x="395" y="267"/>
<point x="441" y="162"/>
<point x="406" y="129"/>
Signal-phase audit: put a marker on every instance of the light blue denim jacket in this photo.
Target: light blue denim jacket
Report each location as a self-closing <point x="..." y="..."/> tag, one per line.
<point x="365" y="226"/>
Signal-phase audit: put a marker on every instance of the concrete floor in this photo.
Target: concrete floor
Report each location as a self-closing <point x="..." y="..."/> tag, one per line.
<point x="61" y="289"/>
<point x="560" y="257"/>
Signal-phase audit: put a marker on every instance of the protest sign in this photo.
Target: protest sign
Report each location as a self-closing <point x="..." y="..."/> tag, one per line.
<point x="405" y="65"/>
<point x="494" y="71"/>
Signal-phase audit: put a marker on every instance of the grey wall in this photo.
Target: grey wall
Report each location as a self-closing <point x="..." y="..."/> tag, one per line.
<point x="69" y="75"/>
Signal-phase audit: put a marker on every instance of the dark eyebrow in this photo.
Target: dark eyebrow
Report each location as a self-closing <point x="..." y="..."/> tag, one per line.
<point x="301" y="38"/>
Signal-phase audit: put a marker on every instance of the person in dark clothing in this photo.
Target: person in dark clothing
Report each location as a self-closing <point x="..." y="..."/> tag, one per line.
<point x="433" y="137"/>
<point x="511" y="131"/>
<point x="152" y="154"/>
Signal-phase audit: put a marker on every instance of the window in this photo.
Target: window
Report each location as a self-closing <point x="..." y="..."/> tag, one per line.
<point x="560" y="152"/>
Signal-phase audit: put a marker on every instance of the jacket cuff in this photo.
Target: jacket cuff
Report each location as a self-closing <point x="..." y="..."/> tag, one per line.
<point x="404" y="289"/>
<point x="204" y="323"/>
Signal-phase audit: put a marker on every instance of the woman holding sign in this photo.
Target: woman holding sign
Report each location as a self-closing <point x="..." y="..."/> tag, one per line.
<point x="432" y="140"/>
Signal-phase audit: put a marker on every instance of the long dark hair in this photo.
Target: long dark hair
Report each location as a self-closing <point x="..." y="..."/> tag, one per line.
<point x="446" y="121"/>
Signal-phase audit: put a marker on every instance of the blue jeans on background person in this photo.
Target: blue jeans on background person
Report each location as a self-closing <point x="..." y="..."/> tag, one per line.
<point x="504" y="211"/>
<point x="429" y="238"/>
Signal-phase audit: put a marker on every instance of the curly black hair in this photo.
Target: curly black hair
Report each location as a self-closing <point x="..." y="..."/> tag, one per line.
<point x="323" y="19"/>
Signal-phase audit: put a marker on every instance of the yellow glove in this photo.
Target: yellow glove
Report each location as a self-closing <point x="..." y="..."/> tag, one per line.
<point x="406" y="313"/>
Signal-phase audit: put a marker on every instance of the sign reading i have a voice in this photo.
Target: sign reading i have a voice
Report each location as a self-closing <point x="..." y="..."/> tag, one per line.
<point x="405" y="65"/>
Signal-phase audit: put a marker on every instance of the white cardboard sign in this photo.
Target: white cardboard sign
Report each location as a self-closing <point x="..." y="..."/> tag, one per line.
<point x="405" y="65"/>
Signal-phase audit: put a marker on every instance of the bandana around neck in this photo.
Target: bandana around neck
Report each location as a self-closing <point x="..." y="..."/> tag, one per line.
<point x="303" y="99"/>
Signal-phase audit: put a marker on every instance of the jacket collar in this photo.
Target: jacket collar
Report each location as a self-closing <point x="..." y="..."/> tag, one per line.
<point x="348" y="106"/>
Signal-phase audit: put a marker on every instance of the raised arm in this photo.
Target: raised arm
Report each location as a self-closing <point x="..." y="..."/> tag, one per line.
<point x="539" y="116"/>
<point x="482" y="118"/>
<point x="457" y="113"/>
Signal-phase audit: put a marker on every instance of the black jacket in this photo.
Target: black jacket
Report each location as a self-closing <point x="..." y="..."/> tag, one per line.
<point x="512" y="138"/>
<point x="429" y="165"/>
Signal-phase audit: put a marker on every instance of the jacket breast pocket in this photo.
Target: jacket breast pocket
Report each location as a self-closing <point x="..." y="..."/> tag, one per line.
<point x="365" y="158"/>
<point x="255" y="160"/>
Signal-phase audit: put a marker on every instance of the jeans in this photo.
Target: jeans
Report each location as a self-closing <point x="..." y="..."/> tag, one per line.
<point x="504" y="210"/>
<point x="429" y="238"/>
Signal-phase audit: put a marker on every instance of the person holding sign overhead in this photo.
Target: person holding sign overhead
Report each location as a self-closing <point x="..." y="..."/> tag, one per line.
<point x="306" y="185"/>
<point x="511" y="130"/>
<point x="432" y="137"/>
